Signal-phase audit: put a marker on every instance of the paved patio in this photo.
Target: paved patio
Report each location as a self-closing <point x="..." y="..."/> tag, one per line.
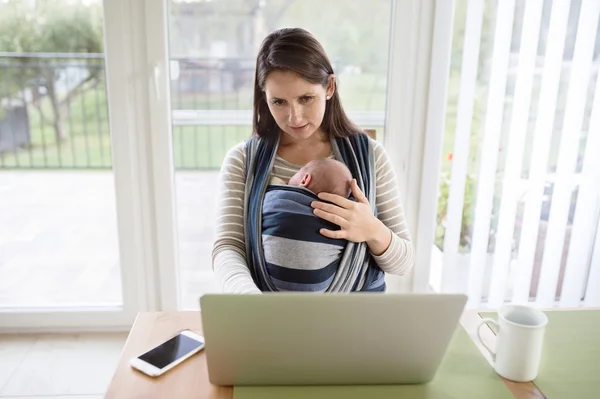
<point x="58" y="238"/>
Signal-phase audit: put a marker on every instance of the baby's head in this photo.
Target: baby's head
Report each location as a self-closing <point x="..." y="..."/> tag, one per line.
<point x="324" y="175"/>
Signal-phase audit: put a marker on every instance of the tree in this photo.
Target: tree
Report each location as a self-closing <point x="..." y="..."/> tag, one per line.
<point x="355" y="37"/>
<point x="358" y="36"/>
<point x="49" y="27"/>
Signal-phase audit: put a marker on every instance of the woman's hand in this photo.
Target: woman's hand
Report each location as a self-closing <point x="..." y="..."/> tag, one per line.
<point x="356" y="220"/>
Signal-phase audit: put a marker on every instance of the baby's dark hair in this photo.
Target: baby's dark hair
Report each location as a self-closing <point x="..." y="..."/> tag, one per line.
<point x="329" y="176"/>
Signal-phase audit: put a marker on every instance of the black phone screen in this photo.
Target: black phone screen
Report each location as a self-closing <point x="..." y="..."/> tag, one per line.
<point x="170" y="351"/>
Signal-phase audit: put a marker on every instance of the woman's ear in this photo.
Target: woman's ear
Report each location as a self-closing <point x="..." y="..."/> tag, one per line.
<point x="306" y="179"/>
<point x="330" y="86"/>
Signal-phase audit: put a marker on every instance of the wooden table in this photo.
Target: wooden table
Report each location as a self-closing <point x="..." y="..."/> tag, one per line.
<point x="190" y="379"/>
<point x="187" y="380"/>
<point x="470" y="320"/>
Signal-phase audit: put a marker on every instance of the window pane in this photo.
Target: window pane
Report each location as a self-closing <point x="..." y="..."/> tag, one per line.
<point x="213" y="46"/>
<point x="518" y="197"/>
<point x="58" y="230"/>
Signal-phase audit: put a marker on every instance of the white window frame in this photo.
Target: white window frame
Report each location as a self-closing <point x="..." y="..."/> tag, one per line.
<point x="141" y="152"/>
<point x="416" y="107"/>
<point x="412" y="114"/>
<point x="137" y="67"/>
<point x="411" y="44"/>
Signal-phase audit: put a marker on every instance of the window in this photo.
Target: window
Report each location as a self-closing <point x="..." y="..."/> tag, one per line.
<point x="518" y="192"/>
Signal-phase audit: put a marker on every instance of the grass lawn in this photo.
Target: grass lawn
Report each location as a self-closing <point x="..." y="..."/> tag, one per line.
<point x="194" y="147"/>
<point x="203" y="147"/>
<point x="366" y="92"/>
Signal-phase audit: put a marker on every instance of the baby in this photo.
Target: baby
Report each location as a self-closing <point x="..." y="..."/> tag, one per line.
<point x="291" y="237"/>
<point x="323" y="175"/>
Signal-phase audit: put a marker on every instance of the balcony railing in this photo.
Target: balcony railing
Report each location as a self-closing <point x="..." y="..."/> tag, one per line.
<point x="54" y="114"/>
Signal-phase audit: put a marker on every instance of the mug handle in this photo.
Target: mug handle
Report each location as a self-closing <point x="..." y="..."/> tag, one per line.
<point x="481" y="324"/>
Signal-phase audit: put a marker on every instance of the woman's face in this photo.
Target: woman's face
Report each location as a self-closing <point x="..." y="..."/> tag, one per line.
<point x="297" y="105"/>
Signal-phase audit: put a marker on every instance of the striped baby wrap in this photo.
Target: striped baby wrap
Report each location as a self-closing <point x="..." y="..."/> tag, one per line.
<point x="284" y="249"/>
<point x="297" y="256"/>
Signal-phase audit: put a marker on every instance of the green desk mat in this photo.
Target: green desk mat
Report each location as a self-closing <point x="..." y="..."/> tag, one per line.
<point x="463" y="374"/>
<point x="570" y="365"/>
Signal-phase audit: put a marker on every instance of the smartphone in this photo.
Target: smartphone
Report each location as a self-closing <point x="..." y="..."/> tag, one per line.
<point x="168" y="354"/>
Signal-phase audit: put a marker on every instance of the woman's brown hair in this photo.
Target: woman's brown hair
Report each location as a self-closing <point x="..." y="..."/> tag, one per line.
<point x="296" y="50"/>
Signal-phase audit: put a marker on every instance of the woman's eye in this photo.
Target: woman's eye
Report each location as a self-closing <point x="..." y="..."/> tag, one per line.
<point x="277" y="102"/>
<point x="306" y="99"/>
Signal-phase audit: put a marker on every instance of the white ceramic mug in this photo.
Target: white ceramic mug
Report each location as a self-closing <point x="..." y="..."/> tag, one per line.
<point x="519" y="342"/>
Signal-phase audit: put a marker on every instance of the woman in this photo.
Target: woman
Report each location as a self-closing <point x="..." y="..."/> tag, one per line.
<point x="297" y="118"/>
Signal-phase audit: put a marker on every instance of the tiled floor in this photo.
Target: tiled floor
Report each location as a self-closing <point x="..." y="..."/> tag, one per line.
<point x="59" y="242"/>
<point x="58" y="366"/>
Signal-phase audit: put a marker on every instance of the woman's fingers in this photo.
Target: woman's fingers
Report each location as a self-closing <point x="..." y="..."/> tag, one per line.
<point x="357" y="192"/>
<point x="334" y="209"/>
<point x="338" y="200"/>
<point x="337" y="234"/>
<point x="345" y="202"/>
<point x="330" y="217"/>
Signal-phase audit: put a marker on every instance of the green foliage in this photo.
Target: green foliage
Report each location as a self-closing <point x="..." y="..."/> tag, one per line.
<point x="354" y="37"/>
<point x="467" y="216"/>
<point x="50" y="26"/>
<point x="477" y="122"/>
<point x="350" y="35"/>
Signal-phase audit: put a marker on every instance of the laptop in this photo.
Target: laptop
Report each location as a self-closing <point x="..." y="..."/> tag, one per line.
<point x="327" y="339"/>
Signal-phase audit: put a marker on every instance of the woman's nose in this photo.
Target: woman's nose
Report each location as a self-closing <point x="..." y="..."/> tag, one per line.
<point x="295" y="115"/>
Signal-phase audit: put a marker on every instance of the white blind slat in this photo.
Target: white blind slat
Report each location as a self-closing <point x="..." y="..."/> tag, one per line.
<point x="541" y="148"/>
<point x="592" y="293"/>
<point x="584" y="222"/>
<point x="569" y="147"/>
<point x="516" y="144"/>
<point x="468" y="79"/>
<point x="491" y="138"/>
<point x="436" y="111"/>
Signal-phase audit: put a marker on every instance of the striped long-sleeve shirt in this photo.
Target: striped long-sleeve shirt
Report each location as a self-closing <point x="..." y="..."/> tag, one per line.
<point x="229" y="250"/>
